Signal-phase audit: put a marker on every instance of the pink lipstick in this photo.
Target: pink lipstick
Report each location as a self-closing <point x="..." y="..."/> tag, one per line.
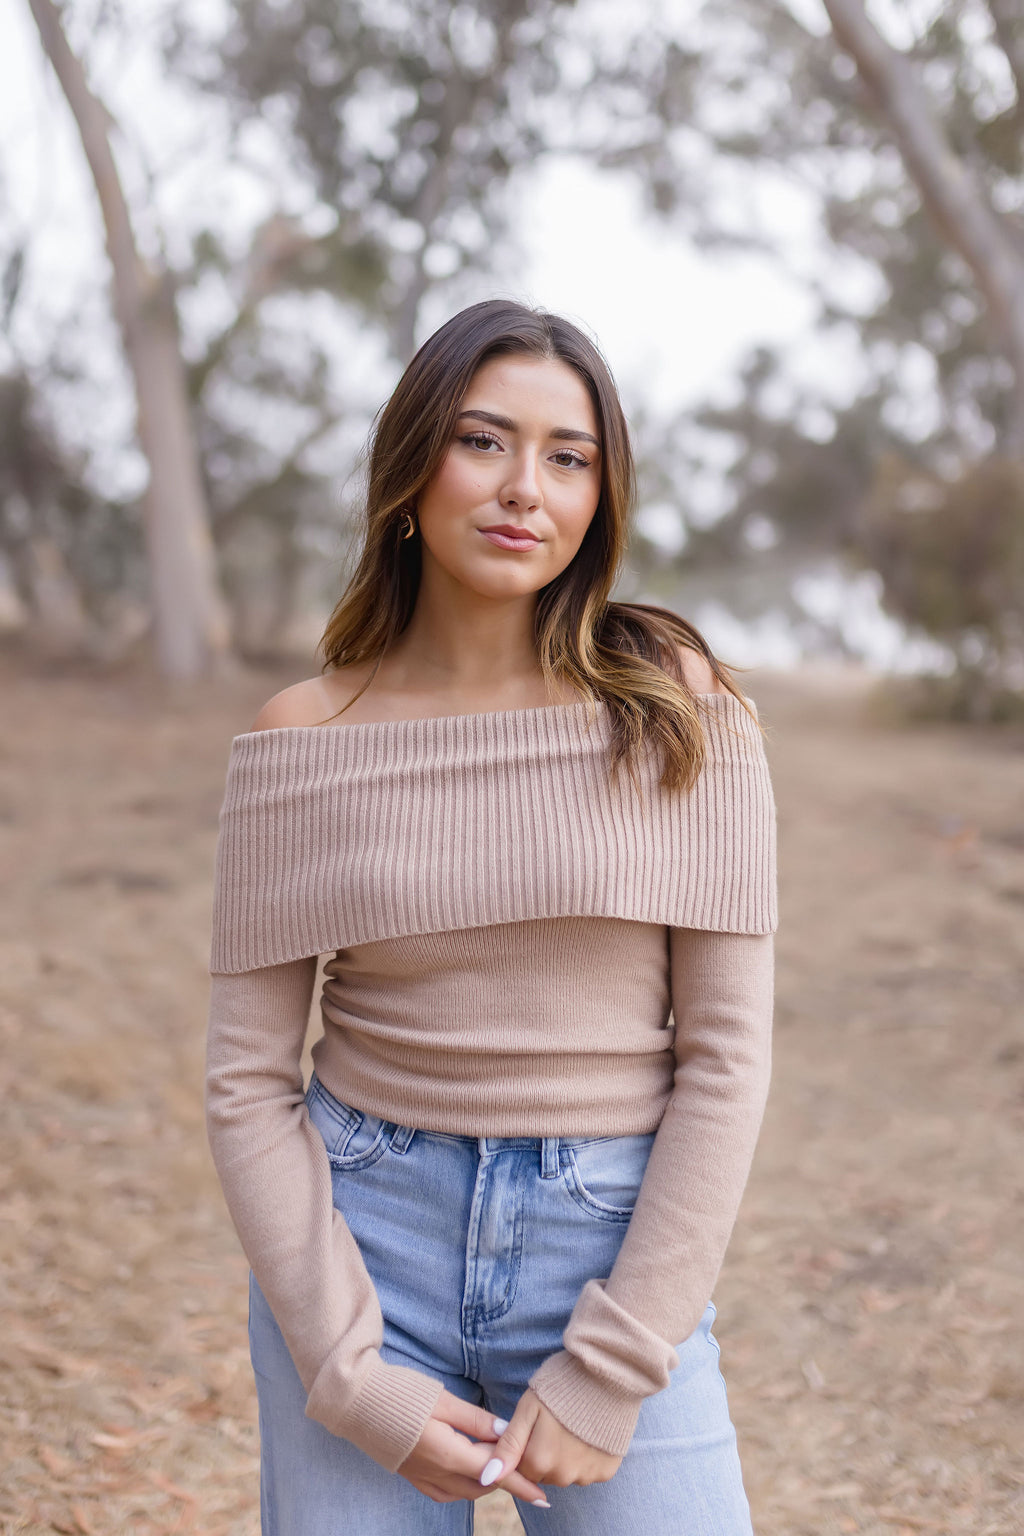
<point x="505" y="536"/>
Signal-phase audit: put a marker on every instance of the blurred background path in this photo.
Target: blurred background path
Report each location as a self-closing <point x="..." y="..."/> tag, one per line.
<point x="871" y="1301"/>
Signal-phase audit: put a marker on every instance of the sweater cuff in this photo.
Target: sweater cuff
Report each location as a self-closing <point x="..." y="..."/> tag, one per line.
<point x="611" y="1362"/>
<point x="385" y="1415"/>
<point x="591" y="1410"/>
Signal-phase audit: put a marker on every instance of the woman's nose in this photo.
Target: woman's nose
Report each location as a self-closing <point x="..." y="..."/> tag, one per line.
<point x="522" y="488"/>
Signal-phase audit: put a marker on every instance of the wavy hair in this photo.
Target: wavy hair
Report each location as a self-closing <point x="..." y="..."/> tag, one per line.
<point x="624" y="654"/>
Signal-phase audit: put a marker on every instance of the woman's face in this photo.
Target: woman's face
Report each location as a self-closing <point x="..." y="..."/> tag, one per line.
<point x="526" y="456"/>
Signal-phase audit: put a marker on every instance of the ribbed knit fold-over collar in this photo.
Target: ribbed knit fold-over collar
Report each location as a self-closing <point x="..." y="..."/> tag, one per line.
<point x="343" y="834"/>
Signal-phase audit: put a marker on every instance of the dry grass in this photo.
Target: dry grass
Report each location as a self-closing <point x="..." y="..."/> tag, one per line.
<point x="870" y="1311"/>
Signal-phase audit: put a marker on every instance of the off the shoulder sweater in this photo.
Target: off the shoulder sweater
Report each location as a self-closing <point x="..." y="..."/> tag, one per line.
<point x="515" y="948"/>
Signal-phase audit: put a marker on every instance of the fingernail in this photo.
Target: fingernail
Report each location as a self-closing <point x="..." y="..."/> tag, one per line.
<point x="541" y="1503"/>
<point x="500" y="1426"/>
<point x="492" y="1470"/>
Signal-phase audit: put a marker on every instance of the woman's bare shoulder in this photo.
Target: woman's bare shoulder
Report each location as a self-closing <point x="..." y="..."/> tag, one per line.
<point x="311" y="702"/>
<point x="697" y="672"/>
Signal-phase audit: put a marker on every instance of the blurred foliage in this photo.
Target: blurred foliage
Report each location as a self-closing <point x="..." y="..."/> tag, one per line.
<point x="747" y="95"/>
<point x="951" y="555"/>
<point x="71" y="552"/>
<point x="751" y="98"/>
<point x="405" y="121"/>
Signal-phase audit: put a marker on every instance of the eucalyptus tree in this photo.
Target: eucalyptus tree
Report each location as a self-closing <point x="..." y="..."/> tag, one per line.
<point x="904" y="150"/>
<point x="189" y="618"/>
<point x="913" y="172"/>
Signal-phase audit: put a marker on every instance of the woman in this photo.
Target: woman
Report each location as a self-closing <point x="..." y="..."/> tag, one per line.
<point x="534" y="831"/>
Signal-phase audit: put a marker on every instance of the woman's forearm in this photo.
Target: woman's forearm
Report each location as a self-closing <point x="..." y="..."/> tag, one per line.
<point x="619" y="1342"/>
<point x="276" y="1179"/>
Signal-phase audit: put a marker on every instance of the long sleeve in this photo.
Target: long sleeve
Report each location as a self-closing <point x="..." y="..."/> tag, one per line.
<point x="276" y="1178"/>
<point x="619" y="1341"/>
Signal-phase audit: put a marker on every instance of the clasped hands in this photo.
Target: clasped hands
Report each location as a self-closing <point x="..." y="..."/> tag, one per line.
<point x="446" y="1465"/>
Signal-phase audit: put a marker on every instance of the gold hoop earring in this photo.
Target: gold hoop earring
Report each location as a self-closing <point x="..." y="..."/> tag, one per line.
<point x="412" y="526"/>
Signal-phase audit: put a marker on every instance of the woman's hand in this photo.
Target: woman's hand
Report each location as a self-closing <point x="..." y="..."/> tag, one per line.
<point x="446" y="1466"/>
<point x="541" y="1447"/>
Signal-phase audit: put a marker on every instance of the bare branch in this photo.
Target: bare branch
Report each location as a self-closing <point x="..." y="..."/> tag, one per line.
<point x="954" y="197"/>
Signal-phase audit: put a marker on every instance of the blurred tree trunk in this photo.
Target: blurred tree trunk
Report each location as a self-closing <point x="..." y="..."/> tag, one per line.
<point x="954" y="195"/>
<point x="58" y="621"/>
<point x="189" y="614"/>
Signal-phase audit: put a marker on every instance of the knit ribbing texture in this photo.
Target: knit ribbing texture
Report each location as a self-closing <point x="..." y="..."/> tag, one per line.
<point x="343" y="834"/>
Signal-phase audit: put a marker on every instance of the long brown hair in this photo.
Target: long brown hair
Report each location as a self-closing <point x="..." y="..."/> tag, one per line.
<point x="624" y="654"/>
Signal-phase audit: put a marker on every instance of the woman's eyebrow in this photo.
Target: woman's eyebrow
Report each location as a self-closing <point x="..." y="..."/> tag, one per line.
<point x="564" y="434"/>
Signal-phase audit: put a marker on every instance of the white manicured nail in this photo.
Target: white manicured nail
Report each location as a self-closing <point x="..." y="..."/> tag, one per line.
<point x="492" y="1470"/>
<point x="541" y="1503"/>
<point x="500" y="1426"/>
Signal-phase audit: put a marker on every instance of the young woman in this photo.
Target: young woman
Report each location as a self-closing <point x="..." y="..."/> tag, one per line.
<point x="534" y="832"/>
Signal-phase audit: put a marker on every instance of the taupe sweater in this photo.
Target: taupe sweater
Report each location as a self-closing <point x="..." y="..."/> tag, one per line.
<point x="518" y="949"/>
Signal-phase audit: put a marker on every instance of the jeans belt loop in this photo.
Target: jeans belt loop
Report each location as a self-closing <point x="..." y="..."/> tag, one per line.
<point x="401" y="1137"/>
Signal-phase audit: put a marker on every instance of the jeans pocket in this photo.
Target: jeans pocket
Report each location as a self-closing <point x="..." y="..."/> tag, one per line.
<point x="354" y="1138"/>
<point x="604" y="1174"/>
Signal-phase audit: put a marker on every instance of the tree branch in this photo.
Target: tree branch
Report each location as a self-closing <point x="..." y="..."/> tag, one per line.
<point x="190" y="625"/>
<point x="94" y="123"/>
<point x="955" y="199"/>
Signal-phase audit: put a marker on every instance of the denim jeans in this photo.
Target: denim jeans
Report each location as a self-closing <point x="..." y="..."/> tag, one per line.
<point x="478" y="1248"/>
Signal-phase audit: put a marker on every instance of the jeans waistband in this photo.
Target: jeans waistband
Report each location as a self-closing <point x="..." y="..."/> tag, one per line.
<point x="489" y="1146"/>
<point x="549" y="1146"/>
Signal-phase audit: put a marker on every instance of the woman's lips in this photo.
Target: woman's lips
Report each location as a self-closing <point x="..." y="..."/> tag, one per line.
<point x="505" y="541"/>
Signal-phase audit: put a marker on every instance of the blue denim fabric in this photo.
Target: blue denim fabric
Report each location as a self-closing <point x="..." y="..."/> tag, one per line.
<point x="478" y="1248"/>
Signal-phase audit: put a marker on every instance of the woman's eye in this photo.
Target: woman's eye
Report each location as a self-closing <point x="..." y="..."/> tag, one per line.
<point x="565" y="458"/>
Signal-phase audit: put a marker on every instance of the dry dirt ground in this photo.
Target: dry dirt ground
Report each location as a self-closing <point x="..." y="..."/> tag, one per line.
<point x="870" y="1308"/>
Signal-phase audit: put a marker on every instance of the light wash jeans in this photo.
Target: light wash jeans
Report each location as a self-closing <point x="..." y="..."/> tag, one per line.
<point x="478" y="1248"/>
